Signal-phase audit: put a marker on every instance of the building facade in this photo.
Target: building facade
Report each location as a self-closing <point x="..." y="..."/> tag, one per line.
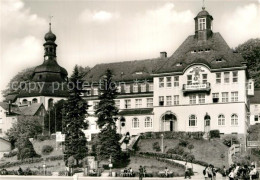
<point x="255" y="107"/>
<point x="202" y="86"/>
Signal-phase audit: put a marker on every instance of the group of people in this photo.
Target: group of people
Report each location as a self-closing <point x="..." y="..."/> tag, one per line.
<point x="210" y="172"/>
<point x="128" y="172"/>
<point x="237" y="172"/>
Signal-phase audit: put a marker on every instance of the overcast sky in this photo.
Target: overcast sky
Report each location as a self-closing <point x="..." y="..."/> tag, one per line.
<point x="91" y="32"/>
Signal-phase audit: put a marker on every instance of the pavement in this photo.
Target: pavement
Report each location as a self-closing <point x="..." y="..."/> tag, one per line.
<point x="198" y="175"/>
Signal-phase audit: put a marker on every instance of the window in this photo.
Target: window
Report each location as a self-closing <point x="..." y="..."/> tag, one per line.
<point x="201" y="98"/>
<point x="150" y="87"/>
<point x="95" y="91"/>
<point x="161" y="82"/>
<point x="95" y="105"/>
<point x="135" y="123"/>
<point x="215" y="97"/>
<point x="161" y="100"/>
<point x="169" y="81"/>
<point x="128" y="103"/>
<point x="149" y="102"/>
<point x="34" y="100"/>
<point x="235" y="76"/>
<point x="1" y="120"/>
<point x="176" y="81"/>
<point x="221" y="120"/>
<point x="225" y="97"/>
<point x="204" y="78"/>
<point x="218" y="78"/>
<point x="176" y="99"/>
<point x="138" y="103"/>
<point x="143" y="87"/>
<point x="189" y="79"/>
<point x="168" y="100"/>
<point x="117" y="104"/>
<point x="50" y="103"/>
<point x="193" y="120"/>
<point x="226" y="77"/>
<point x="256" y="117"/>
<point x="127" y="88"/>
<point x="24" y="101"/>
<point x="234" y="96"/>
<point x="234" y="120"/>
<point x="148" y="123"/>
<point x="135" y="88"/>
<point x="202" y="23"/>
<point x="192" y="99"/>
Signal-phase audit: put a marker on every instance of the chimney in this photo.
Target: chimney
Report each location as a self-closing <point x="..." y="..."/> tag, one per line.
<point x="163" y="55"/>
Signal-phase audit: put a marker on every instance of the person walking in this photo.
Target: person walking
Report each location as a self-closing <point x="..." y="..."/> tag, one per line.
<point x="224" y="172"/>
<point x="166" y="171"/>
<point x="141" y="173"/>
<point x="187" y="173"/>
<point x="231" y="174"/>
<point x="205" y="173"/>
<point x="253" y="173"/>
<point x="209" y="172"/>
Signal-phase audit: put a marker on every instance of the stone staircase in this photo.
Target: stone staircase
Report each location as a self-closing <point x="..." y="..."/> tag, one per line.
<point x="129" y="146"/>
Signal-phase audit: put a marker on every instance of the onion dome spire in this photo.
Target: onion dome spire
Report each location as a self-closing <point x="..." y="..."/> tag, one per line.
<point x="49" y="45"/>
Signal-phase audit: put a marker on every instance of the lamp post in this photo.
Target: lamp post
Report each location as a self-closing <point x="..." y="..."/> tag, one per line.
<point x="162" y="141"/>
<point x="44" y="168"/>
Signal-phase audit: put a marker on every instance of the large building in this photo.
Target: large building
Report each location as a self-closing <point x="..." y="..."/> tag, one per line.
<point x="255" y="107"/>
<point x="202" y="86"/>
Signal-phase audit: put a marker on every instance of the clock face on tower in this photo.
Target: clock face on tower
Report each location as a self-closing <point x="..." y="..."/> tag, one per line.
<point x="46" y="57"/>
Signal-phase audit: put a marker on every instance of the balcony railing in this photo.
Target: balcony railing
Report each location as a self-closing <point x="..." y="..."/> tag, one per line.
<point x="191" y="88"/>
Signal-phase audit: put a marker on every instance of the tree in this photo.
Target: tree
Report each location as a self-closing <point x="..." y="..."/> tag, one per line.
<point x="16" y="82"/>
<point x="83" y="70"/>
<point x="250" y="50"/>
<point x="26" y="127"/>
<point x="53" y="117"/>
<point x="75" y="111"/>
<point x="106" y="111"/>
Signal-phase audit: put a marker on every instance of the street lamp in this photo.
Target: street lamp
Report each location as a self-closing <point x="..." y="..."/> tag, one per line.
<point x="162" y="141"/>
<point x="44" y="168"/>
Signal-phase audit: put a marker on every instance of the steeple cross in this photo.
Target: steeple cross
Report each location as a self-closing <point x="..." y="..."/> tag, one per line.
<point x="50" y="17"/>
<point x="203" y="5"/>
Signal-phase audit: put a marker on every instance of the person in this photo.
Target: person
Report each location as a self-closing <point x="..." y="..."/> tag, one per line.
<point x="130" y="172"/>
<point x="144" y="171"/>
<point x="253" y="173"/>
<point x="187" y="173"/>
<point x="237" y="170"/>
<point x="205" y="173"/>
<point x="166" y="171"/>
<point x="141" y="173"/>
<point x="224" y="172"/>
<point x="20" y="171"/>
<point x="231" y="174"/>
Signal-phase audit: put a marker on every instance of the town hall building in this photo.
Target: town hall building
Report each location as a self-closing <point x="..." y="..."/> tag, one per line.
<point x="202" y="86"/>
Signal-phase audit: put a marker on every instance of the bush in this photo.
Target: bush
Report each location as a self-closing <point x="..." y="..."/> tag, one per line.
<point x="156" y="146"/>
<point x="25" y="149"/>
<point x="214" y="134"/>
<point x="43" y="137"/>
<point x="176" y="150"/>
<point x="183" y="142"/>
<point x="173" y="135"/>
<point x="227" y="140"/>
<point x="47" y="149"/>
<point x="10" y="154"/>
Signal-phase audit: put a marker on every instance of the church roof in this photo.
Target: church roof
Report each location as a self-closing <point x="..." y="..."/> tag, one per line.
<point x="31" y="110"/>
<point x="50" y="66"/>
<point x="214" y="52"/>
<point x="125" y="71"/>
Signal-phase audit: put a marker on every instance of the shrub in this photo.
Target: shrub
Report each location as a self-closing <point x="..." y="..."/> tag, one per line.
<point x="156" y="146"/>
<point x="10" y="154"/>
<point x="183" y="142"/>
<point x="43" y="137"/>
<point x="176" y="150"/>
<point x="214" y="134"/>
<point x="228" y="139"/>
<point x="47" y="149"/>
<point x="25" y="149"/>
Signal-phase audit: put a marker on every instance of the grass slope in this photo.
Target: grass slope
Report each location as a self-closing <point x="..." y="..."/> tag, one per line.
<point x="204" y="150"/>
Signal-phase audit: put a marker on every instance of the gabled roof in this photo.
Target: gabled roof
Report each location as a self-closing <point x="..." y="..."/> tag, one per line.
<point x="14" y="108"/>
<point x="256" y="98"/>
<point x="125" y="71"/>
<point x="216" y="48"/>
<point x="31" y="110"/>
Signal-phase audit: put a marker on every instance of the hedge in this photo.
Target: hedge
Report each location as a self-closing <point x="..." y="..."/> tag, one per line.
<point x="173" y="135"/>
<point x="30" y="161"/>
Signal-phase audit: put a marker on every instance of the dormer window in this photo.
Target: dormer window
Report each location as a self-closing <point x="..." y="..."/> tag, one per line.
<point x="179" y="64"/>
<point x="202" y="23"/>
<point x="219" y="60"/>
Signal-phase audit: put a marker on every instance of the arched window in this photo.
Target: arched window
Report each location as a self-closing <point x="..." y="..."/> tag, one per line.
<point x="221" y="120"/>
<point x="25" y="101"/>
<point x="193" y="120"/>
<point x="234" y="119"/>
<point x="50" y="103"/>
<point x="148" y="123"/>
<point x="135" y="123"/>
<point x="34" y="100"/>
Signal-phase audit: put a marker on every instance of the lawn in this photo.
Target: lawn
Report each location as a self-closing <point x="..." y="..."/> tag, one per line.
<point x="204" y="150"/>
<point x="152" y="165"/>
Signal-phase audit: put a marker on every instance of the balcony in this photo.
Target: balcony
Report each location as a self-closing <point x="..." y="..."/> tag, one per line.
<point x="196" y="88"/>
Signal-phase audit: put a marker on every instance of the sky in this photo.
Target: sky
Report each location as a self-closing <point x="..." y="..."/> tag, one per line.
<point x="101" y="31"/>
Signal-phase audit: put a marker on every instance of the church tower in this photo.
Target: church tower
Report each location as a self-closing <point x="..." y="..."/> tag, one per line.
<point x="203" y="25"/>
